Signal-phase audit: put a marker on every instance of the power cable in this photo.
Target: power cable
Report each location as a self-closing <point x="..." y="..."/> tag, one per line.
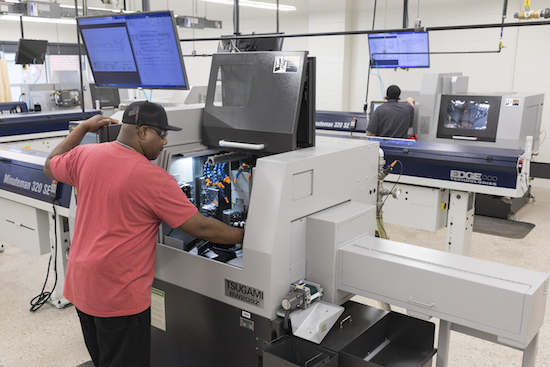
<point x="43" y="297"/>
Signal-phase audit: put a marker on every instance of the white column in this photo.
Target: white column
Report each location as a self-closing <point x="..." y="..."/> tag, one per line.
<point x="460" y="222"/>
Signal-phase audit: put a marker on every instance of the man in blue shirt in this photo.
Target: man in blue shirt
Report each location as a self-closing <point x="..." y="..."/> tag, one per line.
<point x="393" y="118"/>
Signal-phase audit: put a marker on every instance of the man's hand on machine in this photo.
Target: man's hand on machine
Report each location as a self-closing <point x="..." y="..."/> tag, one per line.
<point x="97" y="121"/>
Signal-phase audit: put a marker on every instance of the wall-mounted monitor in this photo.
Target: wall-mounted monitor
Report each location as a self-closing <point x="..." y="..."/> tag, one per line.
<point x="137" y="50"/>
<point x="31" y="51"/>
<point x="107" y="97"/>
<point x="399" y="50"/>
<point x="468" y="117"/>
<point x="251" y="44"/>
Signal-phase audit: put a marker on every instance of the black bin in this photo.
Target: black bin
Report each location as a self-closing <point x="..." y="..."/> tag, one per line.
<point x="289" y="351"/>
<point x="396" y="340"/>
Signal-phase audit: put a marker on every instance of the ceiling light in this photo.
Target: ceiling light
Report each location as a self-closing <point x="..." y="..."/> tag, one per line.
<point x="98" y="9"/>
<point x="38" y="19"/>
<point x="255" y="4"/>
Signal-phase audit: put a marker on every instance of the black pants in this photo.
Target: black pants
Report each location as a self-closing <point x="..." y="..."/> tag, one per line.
<point x="118" y="341"/>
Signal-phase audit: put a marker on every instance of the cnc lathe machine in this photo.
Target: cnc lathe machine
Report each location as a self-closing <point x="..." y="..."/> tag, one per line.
<point x="308" y="207"/>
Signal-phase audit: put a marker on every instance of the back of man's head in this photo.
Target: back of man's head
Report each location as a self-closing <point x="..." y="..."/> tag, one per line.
<point x="393" y="92"/>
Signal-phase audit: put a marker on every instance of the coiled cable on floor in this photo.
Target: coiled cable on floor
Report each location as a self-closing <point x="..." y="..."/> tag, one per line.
<point x="43" y="297"/>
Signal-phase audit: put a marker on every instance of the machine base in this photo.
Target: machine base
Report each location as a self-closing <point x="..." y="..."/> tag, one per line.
<point x="202" y="332"/>
<point x="494" y="206"/>
<point x="60" y="303"/>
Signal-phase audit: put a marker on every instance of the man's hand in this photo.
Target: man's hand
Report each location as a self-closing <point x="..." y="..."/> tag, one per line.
<point x="75" y="137"/>
<point x="410" y="100"/>
<point x="96" y="122"/>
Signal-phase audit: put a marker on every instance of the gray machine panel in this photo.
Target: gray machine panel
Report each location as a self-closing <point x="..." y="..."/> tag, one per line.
<point x="496" y="299"/>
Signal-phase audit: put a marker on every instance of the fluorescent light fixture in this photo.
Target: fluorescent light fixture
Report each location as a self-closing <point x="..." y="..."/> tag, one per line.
<point x="38" y="19"/>
<point x="255" y="4"/>
<point x="116" y="11"/>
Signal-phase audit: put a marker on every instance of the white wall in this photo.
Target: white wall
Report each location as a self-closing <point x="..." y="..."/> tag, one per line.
<point x="343" y="61"/>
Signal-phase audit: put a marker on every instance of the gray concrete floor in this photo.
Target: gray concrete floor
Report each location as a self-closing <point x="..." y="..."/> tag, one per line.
<point x="52" y="338"/>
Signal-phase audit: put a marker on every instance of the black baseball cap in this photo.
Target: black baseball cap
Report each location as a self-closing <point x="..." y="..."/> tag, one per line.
<point x="147" y="113"/>
<point x="393" y="92"/>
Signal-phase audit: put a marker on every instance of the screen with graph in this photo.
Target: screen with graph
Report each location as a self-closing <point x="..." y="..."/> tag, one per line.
<point x="134" y="50"/>
<point x="399" y="50"/>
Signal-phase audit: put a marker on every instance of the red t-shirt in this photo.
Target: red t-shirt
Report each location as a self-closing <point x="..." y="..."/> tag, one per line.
<point x="121" y="199"/>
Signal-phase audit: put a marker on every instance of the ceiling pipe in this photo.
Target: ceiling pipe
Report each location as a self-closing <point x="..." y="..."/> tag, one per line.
<point x="236" y="18"/>
<point x="277" y="16"/>
<point x="405" y="13"/>
<point x="80" y="68"/>
<point x="352" y="33"/>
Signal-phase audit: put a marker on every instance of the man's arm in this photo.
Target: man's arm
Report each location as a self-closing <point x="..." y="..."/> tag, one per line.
<point x="75" y="137"/>
<point x="410" y="101"/>
<point x="212" y="230"/>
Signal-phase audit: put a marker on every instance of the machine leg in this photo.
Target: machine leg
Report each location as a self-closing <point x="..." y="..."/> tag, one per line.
<point x="443" y="343"/>
<point x="530" y="353"/>
<point x="460" y="222"/>
<point x="59" y="240"/>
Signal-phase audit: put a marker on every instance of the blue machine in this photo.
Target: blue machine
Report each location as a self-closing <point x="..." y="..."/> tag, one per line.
<point x="341" y="121"/>
<point x="8" y="108"/>
<point x="22" y="173"/>
<point x="41" y="122"/>
<point x="455" y="166"/>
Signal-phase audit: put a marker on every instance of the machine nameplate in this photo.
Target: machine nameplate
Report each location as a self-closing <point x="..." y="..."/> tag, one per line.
<point x="286" y="64"/>
<point x="514" y="102"/>
<point x="29" y="180"/>
<point x="244" y="293"/>
<point x="474" y="177"/>
<point x="247" y="324"/>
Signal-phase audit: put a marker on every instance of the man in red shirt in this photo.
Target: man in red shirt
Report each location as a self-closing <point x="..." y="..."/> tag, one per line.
<point x="122" y="199"/>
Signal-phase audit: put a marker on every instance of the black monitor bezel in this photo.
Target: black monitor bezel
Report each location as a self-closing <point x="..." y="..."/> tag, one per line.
<point x="234" y="44"/>
<point x="95" y="89"/>
<point x="39" y="56"/>
<point x="372" y="103"/>
<point x="375" y="65"/>
<point x="489" y="134"/>
<point x="178" y="45"/>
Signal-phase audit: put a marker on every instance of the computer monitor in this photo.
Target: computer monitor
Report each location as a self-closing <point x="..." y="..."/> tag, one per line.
<point x="251" y="44"/>
<point x="468" y="117"/>
<point x="107" y="97"/>
<point x="374" y="105"/>
<point x="31" y="51"/>
<point x="138" y="50"/>
<point x="399" y="50"/>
